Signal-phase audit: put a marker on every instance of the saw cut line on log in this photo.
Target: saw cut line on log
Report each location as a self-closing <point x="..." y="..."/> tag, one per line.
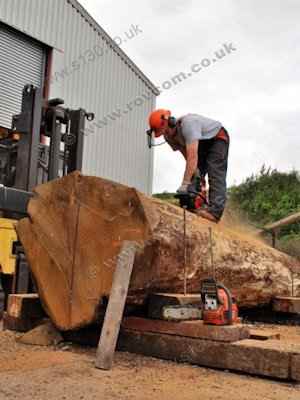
<point x="75" y="231"/>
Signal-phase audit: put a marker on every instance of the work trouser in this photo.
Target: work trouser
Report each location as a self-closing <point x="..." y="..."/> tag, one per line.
<point x="212" y="160"/>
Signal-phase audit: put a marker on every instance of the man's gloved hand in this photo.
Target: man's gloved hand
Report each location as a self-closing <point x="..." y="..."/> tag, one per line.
<point x="183" y="188"/>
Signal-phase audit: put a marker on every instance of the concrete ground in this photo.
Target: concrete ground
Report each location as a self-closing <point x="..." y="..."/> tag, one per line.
<point x="67" y="372"/>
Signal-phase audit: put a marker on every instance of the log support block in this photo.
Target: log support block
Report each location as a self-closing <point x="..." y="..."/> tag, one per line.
<point x="24" y="312"/>
<point x="265" y="358"/>
<point x="287" y="304"/>
<point x="157" y="301"/>
<point x="193" y="329"/>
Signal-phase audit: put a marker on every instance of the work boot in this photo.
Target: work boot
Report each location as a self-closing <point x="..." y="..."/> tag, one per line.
<point x="207" y="215"/>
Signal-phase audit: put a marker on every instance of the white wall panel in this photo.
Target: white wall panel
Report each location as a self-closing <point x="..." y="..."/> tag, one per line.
<point x="118" y="150"/>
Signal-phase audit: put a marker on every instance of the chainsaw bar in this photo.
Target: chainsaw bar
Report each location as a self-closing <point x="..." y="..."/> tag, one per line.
<point x="181" y="313"/>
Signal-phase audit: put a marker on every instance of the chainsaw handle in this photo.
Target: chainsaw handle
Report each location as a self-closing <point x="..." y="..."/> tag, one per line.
<point x="228" y="294"/>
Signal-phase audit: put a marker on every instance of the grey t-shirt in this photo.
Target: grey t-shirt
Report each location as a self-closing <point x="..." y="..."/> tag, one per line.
<point x="192" y="127"/>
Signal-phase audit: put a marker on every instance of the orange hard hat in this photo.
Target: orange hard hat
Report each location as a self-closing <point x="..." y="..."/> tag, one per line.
<point x="156" y="119"/>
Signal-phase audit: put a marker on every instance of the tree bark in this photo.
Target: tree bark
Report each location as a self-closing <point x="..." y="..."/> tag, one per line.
<point x="75" y="230"/>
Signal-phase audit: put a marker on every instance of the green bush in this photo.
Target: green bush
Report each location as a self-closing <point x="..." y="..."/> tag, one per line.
<point x="269" y="196"/>
<point x="164" y="195"/>
<point x="290" y="244"/>
<point x="168" y="197"/>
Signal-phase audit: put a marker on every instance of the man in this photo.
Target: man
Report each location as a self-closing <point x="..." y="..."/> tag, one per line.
<point x="204" y="144"/>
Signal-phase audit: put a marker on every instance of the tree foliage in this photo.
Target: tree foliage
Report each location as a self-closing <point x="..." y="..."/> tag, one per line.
<point x="269" y="196"/>
<point x="168" y="197"/>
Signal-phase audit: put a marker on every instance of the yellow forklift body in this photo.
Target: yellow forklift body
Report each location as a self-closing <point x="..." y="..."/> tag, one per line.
<point x="7" y="236"/>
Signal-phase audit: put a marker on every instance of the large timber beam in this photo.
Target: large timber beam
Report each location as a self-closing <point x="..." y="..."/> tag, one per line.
<point x="269" y="358"/>
<point x="76" y="228"/>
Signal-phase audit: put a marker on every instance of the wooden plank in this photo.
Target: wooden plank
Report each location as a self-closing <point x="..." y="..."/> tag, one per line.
<point x="284" y="221"/>
<point x="286" y="304"/>
<point x="116" y="304"/>
<point x="265" y="358"/>
<point x="195" y="329"/>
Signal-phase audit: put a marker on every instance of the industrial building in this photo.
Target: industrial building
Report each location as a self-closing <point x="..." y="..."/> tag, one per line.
<point x="58" y="46"/>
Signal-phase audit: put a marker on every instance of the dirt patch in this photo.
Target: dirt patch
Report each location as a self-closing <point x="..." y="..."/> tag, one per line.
<point x="39" y="373"/>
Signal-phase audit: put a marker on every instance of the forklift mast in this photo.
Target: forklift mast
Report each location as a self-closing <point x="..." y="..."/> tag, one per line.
<point x="45" y="142"/>
<point x="26" y="160"/>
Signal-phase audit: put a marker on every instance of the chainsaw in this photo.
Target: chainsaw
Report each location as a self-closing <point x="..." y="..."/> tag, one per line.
<point x="196" y="195"/>
<point x="219" y="306"/>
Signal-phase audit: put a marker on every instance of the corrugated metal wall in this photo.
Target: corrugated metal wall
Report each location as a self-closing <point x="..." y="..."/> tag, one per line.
<point x="115" y="146"/>
<point x="21" y="62"/>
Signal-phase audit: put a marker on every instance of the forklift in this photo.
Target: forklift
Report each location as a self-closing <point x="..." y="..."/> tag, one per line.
<point x="45" y="142"/>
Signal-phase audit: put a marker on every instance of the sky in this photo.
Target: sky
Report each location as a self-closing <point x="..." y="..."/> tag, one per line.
<point x="254" y="90"/>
